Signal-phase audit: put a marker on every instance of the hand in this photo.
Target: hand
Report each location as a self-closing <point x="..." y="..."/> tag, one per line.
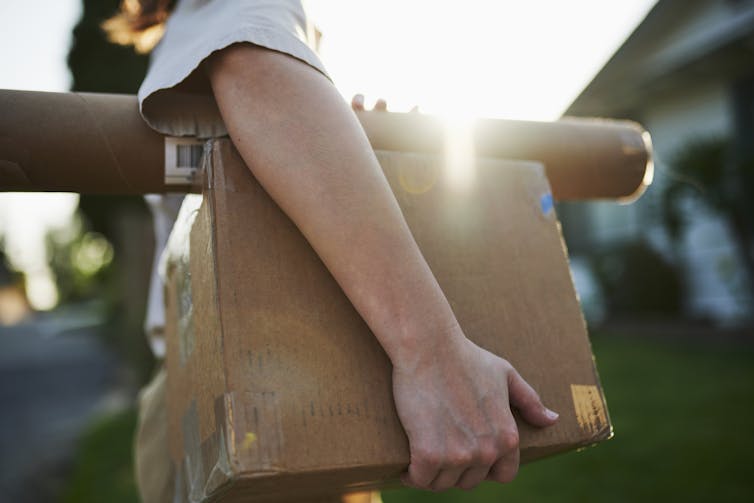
<point x="357" y="103"/>
<point x="454" y="404"/>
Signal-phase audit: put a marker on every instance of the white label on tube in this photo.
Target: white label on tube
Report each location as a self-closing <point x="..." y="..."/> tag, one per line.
<point x="183" y="158"/>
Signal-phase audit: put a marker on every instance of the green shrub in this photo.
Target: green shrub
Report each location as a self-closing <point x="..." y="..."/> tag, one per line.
<point x="637" y="280"/>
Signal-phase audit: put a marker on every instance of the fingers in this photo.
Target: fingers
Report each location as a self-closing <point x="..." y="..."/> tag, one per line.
<point x="446" y="479"/>
<point x="437" y="470"/>
<point x="527" y="401"/>
<point x="466" y="465"/>
<point x="468" y="472"/>
<point x="357" y="102"/>
<point x="473" y="477"/>
<point x="421" y="472"/>
<point x="506" y="468"/>
<point x="421" y="476"/>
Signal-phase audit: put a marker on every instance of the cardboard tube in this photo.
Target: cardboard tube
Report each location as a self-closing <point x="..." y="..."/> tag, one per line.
<point x="583" y="158"/>
<point x="98" y="143"/>
<point x="77" y="142"/>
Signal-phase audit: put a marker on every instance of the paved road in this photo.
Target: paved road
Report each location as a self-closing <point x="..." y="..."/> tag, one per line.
<point x="54" y="373"/>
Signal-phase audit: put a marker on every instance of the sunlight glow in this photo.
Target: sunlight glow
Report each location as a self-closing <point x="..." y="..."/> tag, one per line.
<point x="34" y="42"/>
<point x="41" y="290"/>
<point x="25" y="220"/>
<point x="418" y="178"/>
<point x="459" y="151"/>
<point x="93" y="253"/>
<point x="503" y="58"/>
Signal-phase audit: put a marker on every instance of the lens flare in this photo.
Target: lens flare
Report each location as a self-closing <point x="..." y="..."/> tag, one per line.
<point x="459" y="151"/>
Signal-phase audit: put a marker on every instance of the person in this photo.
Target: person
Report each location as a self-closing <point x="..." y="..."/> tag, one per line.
<point x="249" y="69"/>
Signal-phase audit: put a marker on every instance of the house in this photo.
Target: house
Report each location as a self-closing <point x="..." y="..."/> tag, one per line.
<point x="685" y="73"/>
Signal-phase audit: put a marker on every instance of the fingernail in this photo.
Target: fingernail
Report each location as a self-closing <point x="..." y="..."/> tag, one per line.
<point x="551" y="414"/>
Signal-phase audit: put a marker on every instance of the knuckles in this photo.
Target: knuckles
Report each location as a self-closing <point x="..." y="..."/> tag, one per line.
<point x="439" y="459"/>
<point x="508" y="440"/>
<point x="484" y="450"/>
<point x="467" y="486"/>
<point x="430" y="457"/>
<point x="487" y="453"/>
<point x="458" y="458"/>
<point x="507" y="474"/>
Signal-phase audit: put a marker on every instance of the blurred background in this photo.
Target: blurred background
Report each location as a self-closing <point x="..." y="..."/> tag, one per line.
<point x="666" y="283"/>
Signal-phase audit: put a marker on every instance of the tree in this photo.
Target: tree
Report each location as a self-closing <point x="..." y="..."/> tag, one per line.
<point x="100" y="66"/>
<point x="96" y="64"/>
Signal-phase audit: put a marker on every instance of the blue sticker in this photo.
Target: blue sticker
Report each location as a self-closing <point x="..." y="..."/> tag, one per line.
<point x="546" y="203"/>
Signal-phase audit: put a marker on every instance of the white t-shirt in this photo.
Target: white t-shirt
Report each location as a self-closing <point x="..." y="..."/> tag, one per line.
<point x="175" y="99"/>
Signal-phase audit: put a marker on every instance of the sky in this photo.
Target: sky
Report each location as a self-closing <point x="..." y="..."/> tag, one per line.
<point x="34" y="41"/>
<point x="493" y="58"/>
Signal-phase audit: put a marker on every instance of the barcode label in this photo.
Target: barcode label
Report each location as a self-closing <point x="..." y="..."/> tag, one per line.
<point x="183" y="157"/>
<point x="188" y="155"/>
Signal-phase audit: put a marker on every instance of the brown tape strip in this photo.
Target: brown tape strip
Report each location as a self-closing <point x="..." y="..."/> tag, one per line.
<point x="590" y="408"/>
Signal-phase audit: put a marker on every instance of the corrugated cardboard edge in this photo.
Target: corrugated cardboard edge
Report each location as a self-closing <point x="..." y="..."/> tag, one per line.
<point x="592" y="435"/>
<point x="594" y="431"/>
<point x="606" y="432"/>
<point x="209" y="464"/>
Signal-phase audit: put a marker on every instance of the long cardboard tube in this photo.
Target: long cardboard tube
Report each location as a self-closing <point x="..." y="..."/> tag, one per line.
<point x="98" y="143"/>
<point x="583" y="158"/>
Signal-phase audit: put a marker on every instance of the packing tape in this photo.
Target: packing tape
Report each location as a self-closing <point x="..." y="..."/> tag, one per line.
<point x="206" y="464"/>
<point x="248" y="432"/>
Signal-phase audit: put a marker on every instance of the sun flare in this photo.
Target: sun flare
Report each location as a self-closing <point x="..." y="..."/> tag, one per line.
<point x="459" y="151"/>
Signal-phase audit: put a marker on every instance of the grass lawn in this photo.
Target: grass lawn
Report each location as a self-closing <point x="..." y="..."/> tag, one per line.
<point x="103" y="469"/>
<point x="683" y="417"/>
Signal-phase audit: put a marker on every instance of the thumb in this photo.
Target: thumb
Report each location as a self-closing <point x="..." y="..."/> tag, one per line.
<point x="527" y="402"/>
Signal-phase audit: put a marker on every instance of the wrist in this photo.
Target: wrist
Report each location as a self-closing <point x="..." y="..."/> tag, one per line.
<point x="417" y="347"/>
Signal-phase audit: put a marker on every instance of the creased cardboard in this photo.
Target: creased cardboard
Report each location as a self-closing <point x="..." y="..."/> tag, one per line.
<point x="281" y="391"/>
<point x="98" y="143"/>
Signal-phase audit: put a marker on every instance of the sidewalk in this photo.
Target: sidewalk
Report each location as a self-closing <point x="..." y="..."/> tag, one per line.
<point x="54" y="375"/>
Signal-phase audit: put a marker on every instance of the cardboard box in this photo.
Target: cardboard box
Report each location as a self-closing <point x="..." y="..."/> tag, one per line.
<point x="276" y="387"/>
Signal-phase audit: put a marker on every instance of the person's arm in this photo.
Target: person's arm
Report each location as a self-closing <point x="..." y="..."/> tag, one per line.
<point x="307" y="149"/>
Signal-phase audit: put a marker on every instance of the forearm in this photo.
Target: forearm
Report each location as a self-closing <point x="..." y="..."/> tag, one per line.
<point x="305" y="146"/>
